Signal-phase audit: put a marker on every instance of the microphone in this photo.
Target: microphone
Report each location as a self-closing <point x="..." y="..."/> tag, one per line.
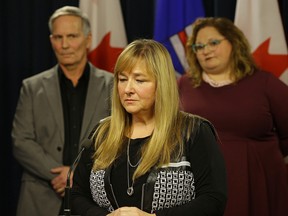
<point x="67" y="208"/>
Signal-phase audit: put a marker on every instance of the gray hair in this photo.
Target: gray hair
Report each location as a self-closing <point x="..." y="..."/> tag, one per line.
<point x="72" y="11"/>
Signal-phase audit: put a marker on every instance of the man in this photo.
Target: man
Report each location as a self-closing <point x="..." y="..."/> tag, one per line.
<point x="56" y="110"/>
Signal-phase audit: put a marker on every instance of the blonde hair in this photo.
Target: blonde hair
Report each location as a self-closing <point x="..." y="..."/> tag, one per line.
<point x="242" y="62"/>
<point x="110" y="137"/>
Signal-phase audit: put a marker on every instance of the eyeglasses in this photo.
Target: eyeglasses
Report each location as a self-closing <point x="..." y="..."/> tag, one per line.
<point x="212" y="44"/>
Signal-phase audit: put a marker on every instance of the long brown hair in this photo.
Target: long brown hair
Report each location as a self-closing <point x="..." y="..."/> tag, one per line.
<point x="241" y="58"/>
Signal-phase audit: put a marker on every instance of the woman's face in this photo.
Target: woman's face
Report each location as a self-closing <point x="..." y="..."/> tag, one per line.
<point x="214" y="51"/>
<point x="137" y="90"/>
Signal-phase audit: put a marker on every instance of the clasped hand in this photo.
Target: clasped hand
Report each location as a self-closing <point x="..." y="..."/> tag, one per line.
<point x="59" y="182"/>
<point x="129" y="211"/>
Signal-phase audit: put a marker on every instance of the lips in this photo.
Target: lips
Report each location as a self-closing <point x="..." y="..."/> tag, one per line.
<point x="208" y="58"/>
<point x="65" y="53"/>
<point x="129" y="101"/>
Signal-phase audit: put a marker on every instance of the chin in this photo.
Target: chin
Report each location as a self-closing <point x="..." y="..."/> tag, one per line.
<point x="67" y="63"/>
<point x="132" y="111"/>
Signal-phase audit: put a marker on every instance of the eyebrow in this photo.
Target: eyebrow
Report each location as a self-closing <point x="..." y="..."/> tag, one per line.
<point x="210" y="39"/>
<point x="137" y="74"/>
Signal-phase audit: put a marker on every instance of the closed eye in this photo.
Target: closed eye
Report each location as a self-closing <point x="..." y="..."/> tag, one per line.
<point x="122" y="79"/>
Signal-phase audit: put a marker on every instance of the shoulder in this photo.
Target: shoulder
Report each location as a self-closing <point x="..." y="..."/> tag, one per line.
<point x="265" y="76"/>
<point x="93" y="133"/>
<point x="184" y="80"/>
<point x="267" y="82"/>
<point x="99" y="73"/>
<point x="196" y="119"/>
<point x="47" y="74"/>
<point x="192" y="123"/>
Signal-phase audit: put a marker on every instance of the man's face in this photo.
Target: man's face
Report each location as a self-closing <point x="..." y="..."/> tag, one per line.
<point x="68" y="41"/>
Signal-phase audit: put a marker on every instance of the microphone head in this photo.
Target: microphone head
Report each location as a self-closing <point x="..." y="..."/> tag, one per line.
<point x="86" y="143"/>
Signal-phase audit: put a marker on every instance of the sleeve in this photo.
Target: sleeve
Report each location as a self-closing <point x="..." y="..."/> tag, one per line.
<point x="81" y="199"/>
<point x="277" y="93"/>
<point x="29" y="119"/>
<point x="210" y="177"/>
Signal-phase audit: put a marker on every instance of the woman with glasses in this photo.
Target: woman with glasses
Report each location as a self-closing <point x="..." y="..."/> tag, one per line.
<point x="248" y="107"/>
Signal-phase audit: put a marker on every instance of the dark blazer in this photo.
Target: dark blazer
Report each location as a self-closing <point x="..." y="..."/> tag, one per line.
<point x="38" y="134"/>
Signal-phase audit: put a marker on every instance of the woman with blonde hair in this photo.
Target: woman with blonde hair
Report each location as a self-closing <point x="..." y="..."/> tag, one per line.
<point x="148" y="157"/>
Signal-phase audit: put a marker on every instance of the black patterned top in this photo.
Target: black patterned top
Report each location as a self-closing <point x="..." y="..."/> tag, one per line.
<point x="195" y="185"/>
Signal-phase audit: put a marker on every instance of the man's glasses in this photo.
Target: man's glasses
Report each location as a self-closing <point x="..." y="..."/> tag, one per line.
<point x="212" y="44"/>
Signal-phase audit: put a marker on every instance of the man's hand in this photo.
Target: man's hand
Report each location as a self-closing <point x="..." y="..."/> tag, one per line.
<point x="59" y="182"/>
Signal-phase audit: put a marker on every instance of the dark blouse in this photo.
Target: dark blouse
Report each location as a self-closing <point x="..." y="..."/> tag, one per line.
<point x="209" y="184"/>
<point x="119" y="176"/>
<point x="251" y="118"/>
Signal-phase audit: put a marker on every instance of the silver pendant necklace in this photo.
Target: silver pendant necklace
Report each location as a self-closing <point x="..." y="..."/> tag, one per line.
<point x="130" y="189"/>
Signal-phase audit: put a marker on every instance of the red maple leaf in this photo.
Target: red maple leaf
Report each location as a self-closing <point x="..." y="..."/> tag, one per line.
<point x="104" y="56"/>
<point x="183" y="37"/>
<point x="275" y="63"/>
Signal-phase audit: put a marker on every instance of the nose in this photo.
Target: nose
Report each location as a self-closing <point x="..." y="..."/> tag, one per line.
<point x="129" y="87"/>
<point x="65" y="43"/>
<point x="206" y="49"/>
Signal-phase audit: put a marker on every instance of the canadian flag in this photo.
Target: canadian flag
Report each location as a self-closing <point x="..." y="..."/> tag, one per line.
<point x="108" y="31"/>
<point x="260" y="21"/>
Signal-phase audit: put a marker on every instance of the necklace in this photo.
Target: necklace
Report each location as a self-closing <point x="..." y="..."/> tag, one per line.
<point x="130" y="189"/>
<point x="128" y="157"/>
<point x="214" y="83"/>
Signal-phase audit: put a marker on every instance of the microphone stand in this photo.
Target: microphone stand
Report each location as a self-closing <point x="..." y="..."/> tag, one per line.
<point x="67" y="206"/>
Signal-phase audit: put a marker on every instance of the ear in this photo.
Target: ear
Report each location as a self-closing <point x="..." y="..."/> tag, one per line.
<point x="51" y="38"/>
